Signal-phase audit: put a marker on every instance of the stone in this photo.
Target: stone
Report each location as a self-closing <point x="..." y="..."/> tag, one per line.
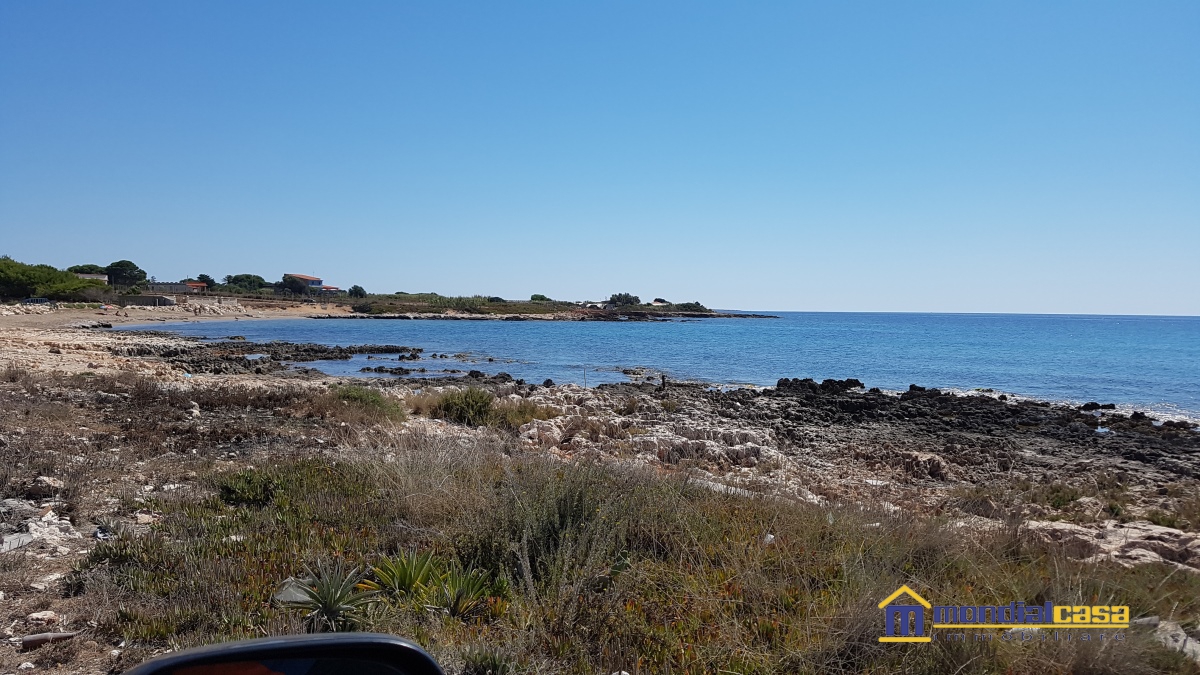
<point x="43" y="487"/>
<point x="15" y="541"/>
<point x="290" y="590"/>
<point x="1172" y="636"/>
<point x="34" y="641"/>
<point x="26" y="666"/>
<point x="42" y="618"/>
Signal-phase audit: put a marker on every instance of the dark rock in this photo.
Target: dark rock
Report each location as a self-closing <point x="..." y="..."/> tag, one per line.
<point x="34" y="641"/>
<point x="548" y="383"/>
<point x="477" y="374"/>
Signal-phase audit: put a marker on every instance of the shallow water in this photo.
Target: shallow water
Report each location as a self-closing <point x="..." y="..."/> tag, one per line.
<point x="1147" y="363"/>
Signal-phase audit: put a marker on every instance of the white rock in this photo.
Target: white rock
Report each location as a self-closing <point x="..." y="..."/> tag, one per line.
<point x="1171" y="634"/>
<point x="42" y="618"/>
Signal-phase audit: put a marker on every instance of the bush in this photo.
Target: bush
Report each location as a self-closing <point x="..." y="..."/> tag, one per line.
<point x="538" y="297"/>
<point x="470" y="406"/>
<point x="369" y="402"/>
<point x="357" y="291"/>
<point x="333" y="599"/>
<point x="406" y="577"/>
<point x="691" y="307"/>
<point x="623" y="299"/>
<point x="18" y="280"/>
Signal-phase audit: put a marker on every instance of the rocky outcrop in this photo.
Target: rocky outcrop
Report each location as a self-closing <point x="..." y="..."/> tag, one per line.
<point x="1127" y="544"/>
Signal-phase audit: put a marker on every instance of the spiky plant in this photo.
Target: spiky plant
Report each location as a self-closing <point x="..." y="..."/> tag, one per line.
<point x="405" y="577"/>
<point x="333" y="598"/>
<point x="463" y="594"/>
<point x="486" y="661"/>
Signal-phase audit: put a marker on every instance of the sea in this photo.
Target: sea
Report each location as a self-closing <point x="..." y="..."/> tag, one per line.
<point x="1148" y="363"/>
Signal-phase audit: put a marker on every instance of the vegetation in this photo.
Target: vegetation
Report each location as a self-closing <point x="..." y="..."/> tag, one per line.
<point x="624" y="299"/>
<point x="18" y="280"/>
<point x="357" y="291"/>
<point x="609" y="570"/>
<point x="538" y="297"/>
<point x="476" y="407"/>
<point x="87" y="269"/>
<point x="125" y="273"/>
<point x="294" y="284"/>
<point x="497" y="558"/>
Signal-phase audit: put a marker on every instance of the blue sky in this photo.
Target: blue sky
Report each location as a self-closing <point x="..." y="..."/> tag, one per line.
<point x="850" y="156"/>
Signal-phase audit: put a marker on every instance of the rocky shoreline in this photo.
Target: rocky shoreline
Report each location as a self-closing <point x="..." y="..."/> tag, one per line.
<point x="579" y="315"/>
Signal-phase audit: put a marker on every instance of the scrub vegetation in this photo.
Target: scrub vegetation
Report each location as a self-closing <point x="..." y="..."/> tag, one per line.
<point x="498" y="559"/>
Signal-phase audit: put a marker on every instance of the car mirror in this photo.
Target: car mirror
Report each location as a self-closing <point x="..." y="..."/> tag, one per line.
<point x="328" y="654"/>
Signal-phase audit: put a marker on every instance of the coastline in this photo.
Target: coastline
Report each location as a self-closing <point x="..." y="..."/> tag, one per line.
<point x="157" y="421"/>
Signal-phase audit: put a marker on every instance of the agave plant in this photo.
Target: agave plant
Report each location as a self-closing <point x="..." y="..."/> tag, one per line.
<point x="333" y="597"/>
<point x="463" y="594"/>
<point x="406" y="577"/>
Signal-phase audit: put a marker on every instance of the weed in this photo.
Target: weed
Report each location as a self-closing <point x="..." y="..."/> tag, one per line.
<point x="405" y="577"/>
<point x="487" y="661"/>
<point x="14" y="372"/>
<point x="463" y="594"/>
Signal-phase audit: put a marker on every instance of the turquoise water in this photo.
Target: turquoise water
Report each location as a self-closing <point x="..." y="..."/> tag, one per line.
<point x="1148" y="363"/>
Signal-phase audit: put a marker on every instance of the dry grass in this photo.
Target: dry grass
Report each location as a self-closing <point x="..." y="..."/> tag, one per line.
<point x="590" y="568"/>
<point x="609" y="569"/>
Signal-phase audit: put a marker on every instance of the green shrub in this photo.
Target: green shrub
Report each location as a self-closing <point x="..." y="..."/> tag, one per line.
<point x="470" y="406"/>
<point x="333" y="599"/>
<point x="405" y="577"/>
<point x="513" y="416"/>
<point x="369" y="402"/>
<point x="538" y="297"/>
<point x="463" y="594"/>
<point x="623" y="299"/>
<point x="487" y="661"/>
<point x="247" y="488"/>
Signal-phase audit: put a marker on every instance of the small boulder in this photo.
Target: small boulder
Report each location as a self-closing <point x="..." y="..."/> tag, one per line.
<point x="44" y="618"/>
<point x="43" y="487"/>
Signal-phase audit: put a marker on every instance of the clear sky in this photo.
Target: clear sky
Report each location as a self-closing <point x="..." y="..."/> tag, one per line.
<point x="848" y="156"/>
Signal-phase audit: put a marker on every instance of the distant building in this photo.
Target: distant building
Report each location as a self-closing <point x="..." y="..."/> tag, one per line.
<point x="180" y="287"/>
<point x="97" y="277"/>
<point x="314" y="283"/>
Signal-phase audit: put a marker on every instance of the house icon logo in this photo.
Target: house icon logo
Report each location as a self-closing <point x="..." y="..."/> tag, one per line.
<point x="904" y="622"/>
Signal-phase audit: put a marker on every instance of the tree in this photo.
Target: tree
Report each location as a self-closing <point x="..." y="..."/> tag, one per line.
<point x="18" y="280"/>
<point x="86" y="269"/>
<point x="538" y="297"/>
<point x="249" y="282"/>
<point x="625" y="299"/>
<point x="125" y="273"/>
<point x="206" y="280"/>
<point x="357" y="291"/>
<point x="661" y="301"/>
<point x="294" y="284"/>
